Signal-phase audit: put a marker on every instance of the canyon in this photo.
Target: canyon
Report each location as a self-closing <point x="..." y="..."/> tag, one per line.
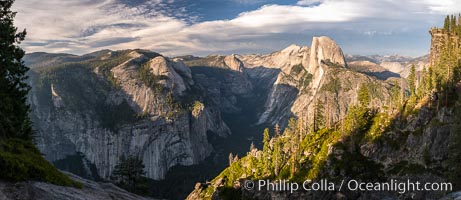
<point x="89" y="110"/>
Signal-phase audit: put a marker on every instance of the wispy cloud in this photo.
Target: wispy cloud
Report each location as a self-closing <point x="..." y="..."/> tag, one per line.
<point x="81" y="26"/>
<point x="442" y="6"/>
<point x="309" y="2"/>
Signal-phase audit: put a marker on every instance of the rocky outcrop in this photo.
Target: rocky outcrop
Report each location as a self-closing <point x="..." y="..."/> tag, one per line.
<point x="230" y="62"/>
<point x="81" y="111"/>
<point x="160" y="66"/>
<point x="283" y="60"/>
<point x="233" y="63"/>
<point x="46" y="191"/>
<point x="323" y="50"/>
<point x="183" y="70"/>
<point x="452" y="196"/>
<point x="440" y="37"/>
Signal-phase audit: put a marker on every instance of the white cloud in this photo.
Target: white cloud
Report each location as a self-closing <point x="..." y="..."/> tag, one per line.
<point x="76" y="26"/>
<point x="282" y="15"/>
<point x="443" y="6"/>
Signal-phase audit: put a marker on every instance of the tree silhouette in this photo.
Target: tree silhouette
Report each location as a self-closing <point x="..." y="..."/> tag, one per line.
<point x="14" y="111"/>
<point x="129" y="174"/>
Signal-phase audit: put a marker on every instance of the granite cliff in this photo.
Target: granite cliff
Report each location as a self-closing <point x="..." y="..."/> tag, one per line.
<point x="101" y="106"/>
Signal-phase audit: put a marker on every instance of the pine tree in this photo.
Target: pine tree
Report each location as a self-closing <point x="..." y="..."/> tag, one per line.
<point x="277" y="156"/>
<point x="319" y="119"/>
<point x="277" y="130"/>
<point x="129" y="174"/>
<point x="293" y="131"/>
<point x="14" y="111"/>
<point x="266" y="139"/>
<point x="363" y="96"/>
<point x="412" y="81"/>
<point x="277" y="153"/>
<point x="446" y="24"/>
<point x="327" y="113"/>
<point x="459" y="25"/>
<point x="453" y="24"/>
<point x="421" y="91"/>
<point x="266" y="149"/>
<point x="357" y="115"/>
<point x="356" y="119"/>
<point x="395" y="92"/>
<point x="301" y="127"/>
<point x="435" y="79"/>
<point x="428" y="77"/>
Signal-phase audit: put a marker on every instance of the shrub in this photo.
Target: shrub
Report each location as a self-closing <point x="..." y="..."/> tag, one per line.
<point x="197" y="107"/>
<point x="296" y="69"/>
<point x="20" y="161"/>
<point x="151" y="80"/>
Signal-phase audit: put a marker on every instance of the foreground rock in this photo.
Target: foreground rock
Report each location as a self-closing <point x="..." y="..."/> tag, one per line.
<point x="45" y="191"/>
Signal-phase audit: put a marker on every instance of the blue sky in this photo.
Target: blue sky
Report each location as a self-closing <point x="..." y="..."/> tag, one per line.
<point x="202" y="27"/>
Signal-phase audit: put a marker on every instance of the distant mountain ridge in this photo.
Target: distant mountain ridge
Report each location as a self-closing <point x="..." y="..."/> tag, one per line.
<point x="387" y="66"/>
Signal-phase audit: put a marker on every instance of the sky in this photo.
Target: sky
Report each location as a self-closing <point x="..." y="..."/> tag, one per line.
<point x="203" y="27"/>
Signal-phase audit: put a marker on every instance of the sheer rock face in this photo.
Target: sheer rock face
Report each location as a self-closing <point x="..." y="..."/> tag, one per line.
<point x="272" y="69"/>
<point x="159" y="66"/>
<point x="323" y="49"/>
<point x="223" y="79"/>
<point x="233" y="63"/>
<point x="82" y="113"/>
<point x="302" y="72"/>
